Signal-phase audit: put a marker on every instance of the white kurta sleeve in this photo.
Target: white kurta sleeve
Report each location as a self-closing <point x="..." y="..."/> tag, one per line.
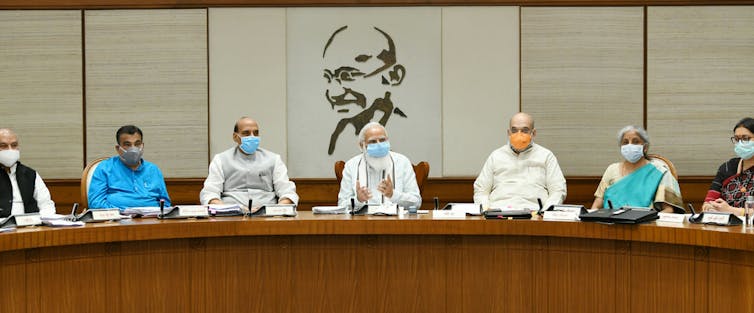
<point x="213" y="185"/>
<point x="483" y="183"/>
<point x="405" y="189"/>
<point x="284" y="187"/>
<point x="556" y="183"/>
<point x="348" y="186"/>
<point x="42" y="196"/>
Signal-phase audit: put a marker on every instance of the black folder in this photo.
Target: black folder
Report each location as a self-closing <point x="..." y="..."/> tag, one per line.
<point x="624" y="215"/>
<point x="507" y="214"/>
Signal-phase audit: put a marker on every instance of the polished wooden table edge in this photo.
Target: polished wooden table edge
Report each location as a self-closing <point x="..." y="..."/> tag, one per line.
<point x="307" y="223"/>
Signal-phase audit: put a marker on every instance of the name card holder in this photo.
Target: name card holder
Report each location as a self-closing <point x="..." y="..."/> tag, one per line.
<point x="21" y="220"/>
<point x="671" y="217"/>
<point x="468" y="208"/>
<point x="186" y="211"/>
<point x="716" y="218"/>
<point x="448" y="215"/>
<point x="286" y="210"/>
<point x="564" y="212"/>
<point x="560" y="216"/>
<point x="382" y="209"/>
<point x="95" y="216"/>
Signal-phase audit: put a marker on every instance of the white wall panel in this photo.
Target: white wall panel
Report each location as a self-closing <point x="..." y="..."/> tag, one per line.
<point x="480" y="83"/>
<point x="247" y="63"/>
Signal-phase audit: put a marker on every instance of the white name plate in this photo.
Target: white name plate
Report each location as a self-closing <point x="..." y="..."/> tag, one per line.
<point x="565" y="215"/>
<point x="716" y="218"/>
<point x="28" y="220"/>
<point x="448" y="214"/>
<point x="280" y="210"/>
<point x="386" y="209"/>
<point x="193" y="211"/>
<point x="105" y="215"/>
<point x="467" y="208"/>
<point x="671" y="217"/>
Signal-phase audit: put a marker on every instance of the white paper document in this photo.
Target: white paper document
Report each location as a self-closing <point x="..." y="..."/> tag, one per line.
<point x="62" y="223"/>
<point x="225" y="209"/>
<point x="384" y="209"/>
<point x="151" y="211"/>
<point x="329" y="210"/>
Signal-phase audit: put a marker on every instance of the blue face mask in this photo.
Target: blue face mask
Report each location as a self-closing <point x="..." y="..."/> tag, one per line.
<point x="632" y="153"/>
<point x="249" y="144"/>
<point x="378" y="150"/>
<point x="745" y="149"/>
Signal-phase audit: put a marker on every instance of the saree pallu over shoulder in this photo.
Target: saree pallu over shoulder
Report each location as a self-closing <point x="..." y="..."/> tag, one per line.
<point x="636" y="189"/>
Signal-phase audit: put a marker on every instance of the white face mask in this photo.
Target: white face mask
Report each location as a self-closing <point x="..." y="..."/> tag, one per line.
<point x="632" y="153"/>
<point x="9" y="157"/>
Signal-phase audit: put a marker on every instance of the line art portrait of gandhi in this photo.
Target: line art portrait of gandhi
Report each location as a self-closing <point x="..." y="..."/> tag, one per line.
<point x="360" y="69"/>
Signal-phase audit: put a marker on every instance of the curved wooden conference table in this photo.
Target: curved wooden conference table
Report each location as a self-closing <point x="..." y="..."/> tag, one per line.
<point x="337" y="263"/>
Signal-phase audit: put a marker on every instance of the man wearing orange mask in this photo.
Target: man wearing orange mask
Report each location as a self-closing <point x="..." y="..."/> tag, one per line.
<point x="520" y="172"/>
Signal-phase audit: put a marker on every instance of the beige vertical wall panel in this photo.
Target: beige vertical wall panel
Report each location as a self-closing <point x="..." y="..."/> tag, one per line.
<point x="247" y="60"/>
<point x="700" y="82"/>
<point x="149" y="68"/>
<point x="480" y="83"/>
<point x="582" y="79"/>
<point x="41" y="88"/>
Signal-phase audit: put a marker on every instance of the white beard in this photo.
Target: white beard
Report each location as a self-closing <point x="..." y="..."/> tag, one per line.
<point x="379" y="164"/>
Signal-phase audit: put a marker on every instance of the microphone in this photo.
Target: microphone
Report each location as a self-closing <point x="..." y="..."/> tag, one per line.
<point x="610" y="204"/>
<point x="693" y="218"/>
<point x="250" y="201"/>
<point x="73" y="212"/>
<point x="162" y="207"/>
<point x="541" y="207"/>
<point x="382" y="198"/>
<point x="437" y="203"/>
<point x="353" y="206"/>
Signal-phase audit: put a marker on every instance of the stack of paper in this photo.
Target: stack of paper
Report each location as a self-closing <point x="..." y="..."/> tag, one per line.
<point x="149" y="211"/>
<point x="59" y="220"/>
<point x="62" y="223"/>
<point x="225" y="209"/>
<point x="329" y="210"/>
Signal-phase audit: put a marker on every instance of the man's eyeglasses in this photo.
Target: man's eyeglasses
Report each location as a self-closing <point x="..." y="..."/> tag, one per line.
<point x="735" y="139"/>
<point x="524" y="130"/>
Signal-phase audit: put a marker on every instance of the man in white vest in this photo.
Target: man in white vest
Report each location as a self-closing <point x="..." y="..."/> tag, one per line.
<point x="247" y="172"/>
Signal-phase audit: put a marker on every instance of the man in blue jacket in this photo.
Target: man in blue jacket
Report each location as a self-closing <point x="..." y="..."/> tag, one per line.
<point x="126" y="180"/>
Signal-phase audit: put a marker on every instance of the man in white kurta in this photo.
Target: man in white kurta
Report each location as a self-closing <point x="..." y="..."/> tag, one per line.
<point x="520" y="172"/>
<point x="246" y="172"/>
<point x="378" y="175"/>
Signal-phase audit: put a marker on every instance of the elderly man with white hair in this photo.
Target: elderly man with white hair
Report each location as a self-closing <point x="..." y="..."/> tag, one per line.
<point x="21" y="188"/>
<point x="378" y="175"/>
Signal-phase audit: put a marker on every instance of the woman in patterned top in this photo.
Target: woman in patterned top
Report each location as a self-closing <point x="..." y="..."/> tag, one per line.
<point x="735" y="178"/>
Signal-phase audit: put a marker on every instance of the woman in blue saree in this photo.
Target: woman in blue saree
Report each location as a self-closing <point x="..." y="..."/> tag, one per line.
<point x="638" y="180"/>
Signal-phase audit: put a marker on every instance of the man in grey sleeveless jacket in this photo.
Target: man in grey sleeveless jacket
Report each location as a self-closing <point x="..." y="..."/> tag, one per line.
<point x="246" y="172"/>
